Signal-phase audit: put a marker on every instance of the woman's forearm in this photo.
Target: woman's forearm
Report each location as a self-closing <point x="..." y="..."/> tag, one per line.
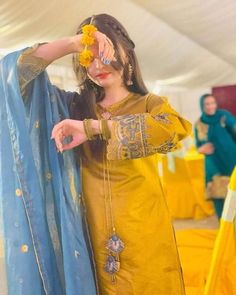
<point x="59" y="48"/>
<point x="96" y="126"/>
<point x="34" y="60"/>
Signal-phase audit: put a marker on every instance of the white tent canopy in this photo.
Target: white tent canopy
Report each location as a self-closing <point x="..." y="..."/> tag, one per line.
<point x="189" y="42"/>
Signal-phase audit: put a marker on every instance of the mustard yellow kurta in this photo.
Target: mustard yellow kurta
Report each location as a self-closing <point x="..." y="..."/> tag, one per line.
<point x="149" y="264"/>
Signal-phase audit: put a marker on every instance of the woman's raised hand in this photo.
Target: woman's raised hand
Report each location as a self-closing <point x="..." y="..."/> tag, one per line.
<point x="68" y="128"/>
<point x="102" y="48"/>
<point x="105" y="47"/>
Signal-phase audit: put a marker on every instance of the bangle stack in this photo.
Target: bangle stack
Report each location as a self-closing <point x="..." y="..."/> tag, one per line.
<point x="88" y="129"/>
<point x="104" y="133"/>
<point x="104" y="129"/>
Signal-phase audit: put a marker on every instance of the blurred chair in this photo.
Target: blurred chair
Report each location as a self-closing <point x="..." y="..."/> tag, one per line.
<point x="184" y="185"/>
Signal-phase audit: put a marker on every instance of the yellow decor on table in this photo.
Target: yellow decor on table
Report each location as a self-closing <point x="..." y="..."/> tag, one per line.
<point x="185" y="187"/>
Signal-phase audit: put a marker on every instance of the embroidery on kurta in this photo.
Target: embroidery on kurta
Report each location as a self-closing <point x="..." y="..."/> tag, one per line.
<point x="132" y="138"/>
<point x="223" y="121"/>
<point x="202" y="130"/>
<point x="163" y="117"/>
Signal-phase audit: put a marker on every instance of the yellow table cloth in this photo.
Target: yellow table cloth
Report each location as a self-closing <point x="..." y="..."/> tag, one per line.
<point x="195" y="249"/>
<point x="208" y="257"/>
<point x="185" y="187"/>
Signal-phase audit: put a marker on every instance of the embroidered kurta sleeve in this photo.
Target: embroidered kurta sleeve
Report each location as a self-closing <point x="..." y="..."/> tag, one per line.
<point x="201" y="133"/>
<point x="139" y="135"/>
<point x="29" y="67"/>
<point x="197" y="141"/>
<point x="231" y="124"/>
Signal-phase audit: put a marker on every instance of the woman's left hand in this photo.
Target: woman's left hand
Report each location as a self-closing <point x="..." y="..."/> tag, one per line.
<point x="71" y="128"/>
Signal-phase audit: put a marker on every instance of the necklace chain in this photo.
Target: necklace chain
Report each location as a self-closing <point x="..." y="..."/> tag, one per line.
<point x="114" y="244"/>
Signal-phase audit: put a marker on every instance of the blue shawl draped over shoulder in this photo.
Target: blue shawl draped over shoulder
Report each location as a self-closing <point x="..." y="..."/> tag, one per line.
<point x="42" y="241"/>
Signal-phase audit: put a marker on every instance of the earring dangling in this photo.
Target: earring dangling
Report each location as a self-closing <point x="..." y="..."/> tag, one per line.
<point x="82" y="87"/>
<point x="130" y="69"/>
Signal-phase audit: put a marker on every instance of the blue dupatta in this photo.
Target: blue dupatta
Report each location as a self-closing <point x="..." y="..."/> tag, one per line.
<point x="42" y="241"/>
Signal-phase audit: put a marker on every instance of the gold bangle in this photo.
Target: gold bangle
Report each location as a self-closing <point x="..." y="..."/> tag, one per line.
<point x="105" y="131"/>
<point x="87" y="123"/>
<point x="100" y="129"/>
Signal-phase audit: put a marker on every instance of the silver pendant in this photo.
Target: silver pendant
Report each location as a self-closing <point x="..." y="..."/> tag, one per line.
<point x="112" y="265"/>
<point x="115" y="244"/>
<point x="106" y="115"/>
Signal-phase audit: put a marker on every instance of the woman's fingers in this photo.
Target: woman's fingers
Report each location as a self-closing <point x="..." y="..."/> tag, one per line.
<point x="58" y="135"/>
<point x="76" y="141"/>
<point x="107" y="59"/>
<point x="111" y="54"/>
<point x="70" y="145"/>
<point x="65" y="128"/>
<point x="105" y="47"/>
<point x="59" y="144"/>
<point x="101" y="42"/>
<point x="59" y="138"/>
<point x="57" y="127"/>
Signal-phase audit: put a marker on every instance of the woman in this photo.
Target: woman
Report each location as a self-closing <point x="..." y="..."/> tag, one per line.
<point x="214" y="132"/>
<point x="121" y="128"/>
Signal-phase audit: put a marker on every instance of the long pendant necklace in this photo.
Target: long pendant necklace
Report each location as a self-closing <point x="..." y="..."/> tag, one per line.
<point x="114" y="244"/>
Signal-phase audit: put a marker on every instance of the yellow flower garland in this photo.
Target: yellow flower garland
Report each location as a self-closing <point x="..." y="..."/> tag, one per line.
<point x="86" y="56"/>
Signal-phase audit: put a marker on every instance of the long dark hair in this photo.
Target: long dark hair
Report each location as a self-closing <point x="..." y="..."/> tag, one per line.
<point x="83" y="105"/>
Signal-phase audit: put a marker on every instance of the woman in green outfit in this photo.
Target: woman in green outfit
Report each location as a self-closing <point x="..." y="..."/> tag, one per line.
<point x="215" y="138"/>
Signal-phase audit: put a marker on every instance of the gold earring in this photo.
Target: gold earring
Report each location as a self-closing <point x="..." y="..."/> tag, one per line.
<point x="130" y="70"/>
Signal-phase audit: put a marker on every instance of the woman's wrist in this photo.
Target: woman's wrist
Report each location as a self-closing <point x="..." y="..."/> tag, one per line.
<point x="59" y="48"/>
<point x="76" y="45"/>
<point x="98" y="127"/>
<point x="95" y="127"/>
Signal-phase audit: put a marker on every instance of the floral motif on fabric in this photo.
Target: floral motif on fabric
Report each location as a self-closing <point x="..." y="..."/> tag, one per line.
<point x="168" y="146"/>
<point x="163" y="117"/>
<point x="29" y="67"/>
<point x="202" y="130"/>
<point x="130" y="138"/>
<point x="223" y="121"/>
